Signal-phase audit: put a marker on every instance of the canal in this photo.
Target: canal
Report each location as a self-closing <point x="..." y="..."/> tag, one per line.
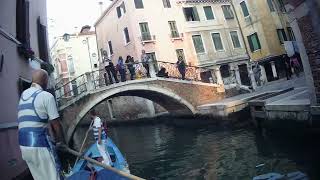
<point x="213" y="152"/>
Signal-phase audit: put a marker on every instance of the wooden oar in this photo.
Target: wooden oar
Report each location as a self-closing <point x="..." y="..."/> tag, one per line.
<point x="84" y="141"/>
<point x="79" y="155"/>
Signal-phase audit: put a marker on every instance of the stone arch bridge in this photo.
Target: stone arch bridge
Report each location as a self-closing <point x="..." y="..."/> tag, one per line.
<point x="178" y="97"/>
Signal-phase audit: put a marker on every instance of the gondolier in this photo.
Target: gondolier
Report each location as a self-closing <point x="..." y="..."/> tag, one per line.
<point x="38" y="118"/>
<point x="100" y="136"/>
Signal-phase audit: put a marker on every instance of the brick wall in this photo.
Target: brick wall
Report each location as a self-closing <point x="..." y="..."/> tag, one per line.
<point x="311" y="40"/>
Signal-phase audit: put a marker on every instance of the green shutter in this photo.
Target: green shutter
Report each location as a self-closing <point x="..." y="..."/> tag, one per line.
<point x="217" y="41"/>
<point x="198" y="44"/>
<point x="244" y="9"/>
<point x="195" y="13"/>
<point x="208" y="12"/>
<point x="235" y="39"/>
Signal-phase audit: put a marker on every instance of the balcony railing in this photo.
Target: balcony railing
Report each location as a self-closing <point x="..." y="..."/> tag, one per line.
<point x="176" y="36"/>
<point x="147" y="38"/>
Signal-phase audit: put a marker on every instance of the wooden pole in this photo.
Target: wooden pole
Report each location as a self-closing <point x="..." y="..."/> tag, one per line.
<point x="75" y="153"/>
<point x="82" y="145"/>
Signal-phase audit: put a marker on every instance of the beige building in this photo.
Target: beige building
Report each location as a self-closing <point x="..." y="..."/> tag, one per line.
<point x="74" y="55"/>
<point x="205" y="33"/>
<point x="266" y="30"/>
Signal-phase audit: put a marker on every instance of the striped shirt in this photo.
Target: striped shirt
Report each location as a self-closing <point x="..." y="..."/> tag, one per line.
<point x="97" y="123"/>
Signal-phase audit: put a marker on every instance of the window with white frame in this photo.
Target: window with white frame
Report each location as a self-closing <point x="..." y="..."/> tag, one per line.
<point x="235" y="39"/>
<point x="208" y="12"/>
<point x="244" y="8"/>
<point x="126" y="35"/>
<point x="138" y="4"/>
<point x="145" y="33"/>
<point x="227" y="11"/>
<point x="173" y="29"/>
<point x="216" y="38"/>
<point x="166" y="3"/>
<point x="198" y="44"/>
<point x="191" y="14"/>
<point x="281" y="35"/>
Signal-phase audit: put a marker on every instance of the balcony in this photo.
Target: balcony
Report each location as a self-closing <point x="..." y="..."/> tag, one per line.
<point x="176" y="36"/>
<point x="147" y="38"/>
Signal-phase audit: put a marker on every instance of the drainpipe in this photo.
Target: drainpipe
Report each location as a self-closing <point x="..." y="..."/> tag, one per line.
<point x="240" y="28"/>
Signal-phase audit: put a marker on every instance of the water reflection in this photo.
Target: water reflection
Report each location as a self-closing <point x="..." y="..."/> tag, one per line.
<point x="215" y="153"/>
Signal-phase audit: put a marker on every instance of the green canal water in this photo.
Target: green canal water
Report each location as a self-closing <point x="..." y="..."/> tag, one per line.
<point x="213" y="152"/>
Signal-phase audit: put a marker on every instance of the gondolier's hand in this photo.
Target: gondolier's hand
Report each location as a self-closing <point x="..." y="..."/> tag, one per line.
<point x="99" y="141"/>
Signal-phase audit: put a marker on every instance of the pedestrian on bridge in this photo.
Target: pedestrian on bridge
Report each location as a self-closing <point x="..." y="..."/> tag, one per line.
<point x="122" y="69"/>
<point x="110" y="70"/>
<point x="130" y="65"/>
<point x="181" y="65"/>
<point x="145" y="59"/>
<point x="39" y="129"/>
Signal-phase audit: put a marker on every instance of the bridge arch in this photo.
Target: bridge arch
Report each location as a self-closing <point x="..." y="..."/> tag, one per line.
<point x="169" y="100"/>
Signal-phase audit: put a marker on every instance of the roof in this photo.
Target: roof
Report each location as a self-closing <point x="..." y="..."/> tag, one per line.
<point x="106" y="12"/>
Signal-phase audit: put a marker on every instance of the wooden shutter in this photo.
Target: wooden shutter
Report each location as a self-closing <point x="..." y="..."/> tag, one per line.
<point x="22" y="22"/>
<point x="42" y="41"/>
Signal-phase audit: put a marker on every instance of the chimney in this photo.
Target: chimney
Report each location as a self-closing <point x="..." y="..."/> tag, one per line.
<point x="101" y="7"/>
<point x="85" y="29"/>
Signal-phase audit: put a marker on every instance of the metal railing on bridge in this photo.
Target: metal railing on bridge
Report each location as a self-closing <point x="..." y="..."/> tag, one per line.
<point x="67" y="90"/>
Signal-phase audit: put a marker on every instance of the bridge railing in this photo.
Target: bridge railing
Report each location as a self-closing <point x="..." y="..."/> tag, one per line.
<point x="67" y="90"/>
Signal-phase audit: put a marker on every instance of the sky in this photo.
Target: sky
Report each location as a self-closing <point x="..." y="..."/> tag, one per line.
<point x="68" y="16"/>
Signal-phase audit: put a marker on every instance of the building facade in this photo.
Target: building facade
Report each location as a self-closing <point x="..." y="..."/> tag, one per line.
<point x="23" y="43"/>
<point x="205" y="33"/>
<point x="305" y="21"/>
<point x="266" y="30"/>
<point x="73" y="55"/>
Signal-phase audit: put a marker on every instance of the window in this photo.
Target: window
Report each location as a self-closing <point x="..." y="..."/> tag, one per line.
<point x="152" y="56"/>
<point x="145" y="33"/>
<point x="138" y="4"/>
<point x="95" y="65"/>
<point x="254" y="42"/>
<point x="174" y="30"/>
<point x="225" y="70"/>
<point x="235" y="39"/>
<point x="198" y="44"/>
<point x="166" y="3"/>
<point x="271" y="6"/>
<point x="118" y="11"/>
<point x="42" y="41"/>
<point x="228" y="14"/>
<point x="208" y="12"/>
<point x="291" y="34"/>
<point x="281" y="6"/>
<point x="110" y="47"/>
<point x="180" y="53"/>
<point x="126" y="35"/>
<point x="191" y="14"/>
<point x="74" y="88"/>
<point x="281" y="35"/>
<point x="217" y="41"/>
<point x="123" y="7"/>
<point x="244" y="9"/>
<point x="22" y="22"/>
<point x="70" y="65"/>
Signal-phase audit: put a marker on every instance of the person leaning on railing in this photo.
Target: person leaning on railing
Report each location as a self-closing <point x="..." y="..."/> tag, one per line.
<point x="145" y="61"/>
<point x="181" y="65"/>
<point x="110" y="70"/>
<point x="130" y="65"/>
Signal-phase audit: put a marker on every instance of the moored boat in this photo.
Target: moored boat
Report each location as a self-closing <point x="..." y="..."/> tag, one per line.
<point x="85" y="170"/>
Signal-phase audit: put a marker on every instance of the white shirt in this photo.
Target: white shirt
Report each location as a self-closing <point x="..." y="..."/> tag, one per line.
<point x="44" y="104"/>
<point x="97" y="122"/>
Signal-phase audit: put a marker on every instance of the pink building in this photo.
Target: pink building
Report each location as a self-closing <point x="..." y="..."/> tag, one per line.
<point x="23" y="25"/>
<point x="206" y="33"/>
